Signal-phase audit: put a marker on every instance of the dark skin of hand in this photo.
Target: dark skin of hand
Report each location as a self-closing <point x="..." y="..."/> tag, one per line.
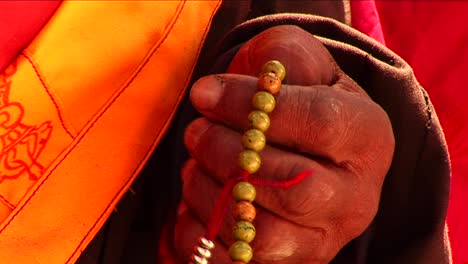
<point x="324" y="122"/>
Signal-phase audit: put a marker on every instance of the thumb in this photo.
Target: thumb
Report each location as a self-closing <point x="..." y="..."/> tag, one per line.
<point x="306" y="60"/>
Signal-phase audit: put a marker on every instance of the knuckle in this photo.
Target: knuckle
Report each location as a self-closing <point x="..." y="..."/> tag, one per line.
<point x="195" y="132"/>
<point x="303" y="204"/>
<point x="190" y="184"/>
<point x="272" y="247"/>
<point x="187" y="170"/>
<point x="308" y="199"/>
<point x="286" y="248"/>
<point x="328" y="121"/>
<point x="372" y="141"/>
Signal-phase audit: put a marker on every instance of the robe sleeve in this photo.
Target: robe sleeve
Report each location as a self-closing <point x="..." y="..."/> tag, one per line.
<point x="410" y="223"/>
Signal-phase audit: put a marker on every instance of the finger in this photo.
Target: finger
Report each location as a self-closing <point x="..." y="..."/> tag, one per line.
<point x="188" y="231"/>
<point x="345" y="128"/>
<point x="277" y="239"/>
<point x="305" y="58"/>
<point x="307" y="61"/>
<point x="319" y="117"/>
<point x="318" y="198"/>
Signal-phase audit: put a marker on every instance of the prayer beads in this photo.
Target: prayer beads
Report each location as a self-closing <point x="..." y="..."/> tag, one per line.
<point x="253" y="141"/>
<point x="243" y="192"/>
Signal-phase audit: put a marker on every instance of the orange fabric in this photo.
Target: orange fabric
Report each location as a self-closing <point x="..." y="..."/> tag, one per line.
<point x="20" y="21"/>
<point x="81" y="109"/>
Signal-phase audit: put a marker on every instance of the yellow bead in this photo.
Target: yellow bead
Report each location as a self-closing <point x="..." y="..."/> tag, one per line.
<point x="264" y="101"/>
<point x="243" y="231"/>
<point x="250" y="161"/>
<point x="240" y="251"/>
<point x="244" y="191"/>
<point x="275" y="67"/>
<point x="253" y="139"/>
<point x="259" y="120"/>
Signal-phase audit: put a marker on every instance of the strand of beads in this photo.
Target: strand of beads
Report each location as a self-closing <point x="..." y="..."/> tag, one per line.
<point x="253" y="140"/>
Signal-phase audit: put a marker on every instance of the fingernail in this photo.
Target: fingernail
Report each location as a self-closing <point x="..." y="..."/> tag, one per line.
<point x="194" y="132"/>
<point x="206" y="92"/>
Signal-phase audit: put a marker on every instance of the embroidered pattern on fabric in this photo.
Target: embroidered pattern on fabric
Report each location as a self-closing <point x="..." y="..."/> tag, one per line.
<point x="20" y="144"/>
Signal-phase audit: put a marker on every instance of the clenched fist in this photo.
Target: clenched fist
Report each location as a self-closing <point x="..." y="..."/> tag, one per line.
<point x="324" y="122"/>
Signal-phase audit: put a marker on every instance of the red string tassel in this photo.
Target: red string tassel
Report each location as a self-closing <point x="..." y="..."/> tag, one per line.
<point x="222" y="203"/>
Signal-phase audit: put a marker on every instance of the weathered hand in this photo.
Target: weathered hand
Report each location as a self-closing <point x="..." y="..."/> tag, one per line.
<point x="323" y="122"/>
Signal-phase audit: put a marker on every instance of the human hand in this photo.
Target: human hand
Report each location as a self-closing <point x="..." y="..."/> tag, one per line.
<point x="323" y="122"/>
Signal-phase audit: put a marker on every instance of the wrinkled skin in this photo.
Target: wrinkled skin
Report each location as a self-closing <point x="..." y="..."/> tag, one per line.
<point x="323" y="122"/>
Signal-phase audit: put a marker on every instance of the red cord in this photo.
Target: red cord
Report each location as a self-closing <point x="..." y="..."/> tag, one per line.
<point x="221" y="206"/>
<point x="283" y="184"/>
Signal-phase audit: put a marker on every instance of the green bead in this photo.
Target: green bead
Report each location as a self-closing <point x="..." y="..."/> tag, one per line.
<point x="244" y="191"/>
<point x="250" y="161"/>
<point x="259" y="120"/>
<point x="243" y="231"/>
<point x="275" y="67"/>
<point x="253" y="139"/>
<point x="241" y="251"/>
<point x="264" y="101"/>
